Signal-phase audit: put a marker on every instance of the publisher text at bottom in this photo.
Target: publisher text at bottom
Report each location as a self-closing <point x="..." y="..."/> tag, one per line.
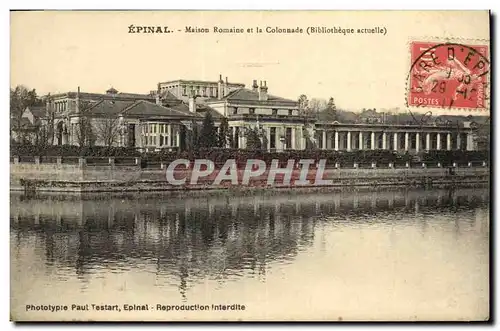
<point x="198" y="307"/>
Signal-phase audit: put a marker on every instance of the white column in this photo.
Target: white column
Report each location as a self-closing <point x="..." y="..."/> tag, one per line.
<point x="178" y="136"/>
<point x="448" y="141"/>
<point x="428" y="141"/>
<point x="417" y="141"/>
<point x="159" y="133"/>
<point x="407" y="141"/>
<point x="396" y="141"/>
<point x="242" y="141"/>
<point x="336" y="140"/>
<point x="438" y="141"/>
<point x="169" y="132"/>
<point x="277" y="142"/>
<point x="233" y="134"/>
<point x="384" y="140"/>
<point x="459" y="140"/>
<point x="293" y="139"/>
<point x="373" y="140"/>
<point x="299" y="135"/>
<point x="361" y="140"/>
<point x="324" y="140"/>
<point x="349" y="140"/>
<point x="470" y="142"/>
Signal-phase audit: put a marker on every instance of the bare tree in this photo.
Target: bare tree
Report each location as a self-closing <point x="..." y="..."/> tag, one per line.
<point x="84" y="134"/>
<point x="108" y="131"/>
<point x="316" y="105"/>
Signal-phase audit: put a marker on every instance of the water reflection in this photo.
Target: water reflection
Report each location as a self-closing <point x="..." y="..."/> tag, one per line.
<point x="182" y="242"/>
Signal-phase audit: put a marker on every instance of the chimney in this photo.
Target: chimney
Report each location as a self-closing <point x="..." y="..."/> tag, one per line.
<point x="158" y="101"/>
<point x="263" y="91"/>
<point x="220" y="90"/>
<point x="226" y="87"/>
<point x="255" y="87"/>
<point x="192" y="101"/>
<point x="77" y="100"/>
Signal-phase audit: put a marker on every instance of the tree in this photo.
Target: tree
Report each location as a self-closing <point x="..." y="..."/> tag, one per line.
<point x="303" y="104"/>
<point x="311" y="142"/>
<point x="331" y="105"/>
<point x="316" y="105"/>
<point x="108" y="131"/>
<point x="20" y="98"/>
<point x="193" y="137"/>
<point x="224" y="136"/>
<point x="84" y="134"/>
<point x="254" y="138"/>
<point x="208" y="137"/>
<point x="42" y="136"/>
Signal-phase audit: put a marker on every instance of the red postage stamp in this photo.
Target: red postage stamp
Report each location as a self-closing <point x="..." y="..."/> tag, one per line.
<point x="449" y="75"/>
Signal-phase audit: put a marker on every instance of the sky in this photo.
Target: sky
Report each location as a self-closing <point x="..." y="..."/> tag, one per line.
<point x="59" y="51"/>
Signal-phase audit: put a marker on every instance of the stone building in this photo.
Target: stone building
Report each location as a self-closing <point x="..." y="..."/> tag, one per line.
<point x="164" y="118"/>
<point x="182" y="89"/>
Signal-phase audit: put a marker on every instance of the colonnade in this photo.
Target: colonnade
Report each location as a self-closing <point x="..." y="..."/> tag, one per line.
<point x="393" y="140"/>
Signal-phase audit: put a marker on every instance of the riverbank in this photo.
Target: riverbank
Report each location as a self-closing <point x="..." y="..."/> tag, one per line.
<point x="78" y="178"/>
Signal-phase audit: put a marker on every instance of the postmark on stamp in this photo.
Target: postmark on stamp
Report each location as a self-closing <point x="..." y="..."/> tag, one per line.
<point x="448" y="75"/>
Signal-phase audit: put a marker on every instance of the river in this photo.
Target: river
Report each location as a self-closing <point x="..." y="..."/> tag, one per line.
<point x="384" y="255"/>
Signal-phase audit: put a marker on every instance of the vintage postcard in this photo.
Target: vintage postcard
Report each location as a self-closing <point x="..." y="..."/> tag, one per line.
<point x="250" y="166"/>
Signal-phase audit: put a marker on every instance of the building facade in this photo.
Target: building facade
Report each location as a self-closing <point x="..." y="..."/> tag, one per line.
<point x="164" y="118"/>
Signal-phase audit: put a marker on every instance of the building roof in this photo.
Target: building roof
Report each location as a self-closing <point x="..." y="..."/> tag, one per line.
<point x="167" y="95"/>
<point x="349" y="117"/>
<point x="140" y="108"/>
<point x="108" y="107"/>
<point x="135" y="95"/>
<point x="182" y="107"/>
<point x="38" y="111"/>
<point x="99" y="96"/>
<point x="189" y="81"/>
<point x="244" y="94"/>
<point x="201" y="110"/>
<point x="149" y="109"/>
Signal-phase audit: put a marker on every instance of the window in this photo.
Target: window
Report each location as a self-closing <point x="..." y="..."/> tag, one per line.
<point x="275" y="111"/>
<point x="131" y="135"/>
<point x="288" y="138"/>
<point x="252" y="110"/>
<point x="236" y="137"/>
<point x="402" y="140"/>
<point x="290" y="112"/>
<point x="235" y="110"/>
<point x="161" y="140"/>
<point x="272" y="138"/>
